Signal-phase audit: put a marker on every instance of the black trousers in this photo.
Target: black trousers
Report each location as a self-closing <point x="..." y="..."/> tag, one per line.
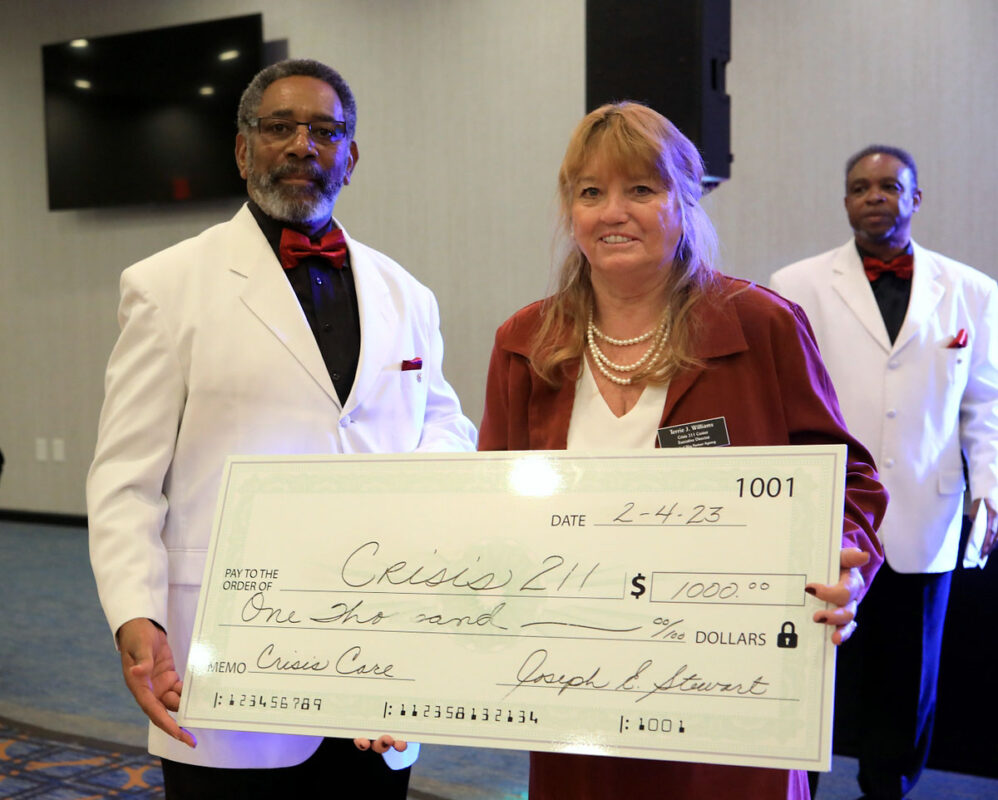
<point x="337" y="771"/>
<point x="885" y="687"/>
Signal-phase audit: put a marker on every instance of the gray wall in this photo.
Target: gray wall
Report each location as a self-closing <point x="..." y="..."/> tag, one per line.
<point x="465" y="108"/>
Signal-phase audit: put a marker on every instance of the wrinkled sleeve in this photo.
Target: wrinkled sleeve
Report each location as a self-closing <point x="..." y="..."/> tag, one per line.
<point x="493" y="434"/>
<point x="445" y="427"/>
<point x="979" y="404"/>
<point x="813" y="417"/>
<point x="144" y="396"/>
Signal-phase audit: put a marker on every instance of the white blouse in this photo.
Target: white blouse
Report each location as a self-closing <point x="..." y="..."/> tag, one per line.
<point x="594" y="426"/>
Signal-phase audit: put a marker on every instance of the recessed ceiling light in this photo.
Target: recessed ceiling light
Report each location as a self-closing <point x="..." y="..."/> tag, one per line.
<point x="81" y="83"/>
<point x="206" y="90"/>
<point x="79" y="43"/>
<point x="228" y="55"/>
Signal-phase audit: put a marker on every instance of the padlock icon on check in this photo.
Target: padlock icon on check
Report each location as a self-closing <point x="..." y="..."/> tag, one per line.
<point x="787" y="636"/>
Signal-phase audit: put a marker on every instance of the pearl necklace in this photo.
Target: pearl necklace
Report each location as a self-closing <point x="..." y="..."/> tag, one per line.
<point x="644" y="337"/>
<point x="604" y="364"/>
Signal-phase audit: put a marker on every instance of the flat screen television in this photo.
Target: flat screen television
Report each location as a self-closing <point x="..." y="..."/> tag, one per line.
<point x="147" y="117"/>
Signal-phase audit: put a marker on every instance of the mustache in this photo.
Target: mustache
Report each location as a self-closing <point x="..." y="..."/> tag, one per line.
<point x="310" y="171"/>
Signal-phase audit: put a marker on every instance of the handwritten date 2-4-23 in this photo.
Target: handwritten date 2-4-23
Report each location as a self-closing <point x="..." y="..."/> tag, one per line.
<point x="701" y="514"/>
<point x="667" y="514"/>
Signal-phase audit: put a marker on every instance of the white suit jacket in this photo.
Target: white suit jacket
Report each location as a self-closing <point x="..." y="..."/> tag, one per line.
<point x="216" y="358"/>
<point x="917" y="403"/>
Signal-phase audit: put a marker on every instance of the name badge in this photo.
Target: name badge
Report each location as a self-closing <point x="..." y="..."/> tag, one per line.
<point x="704" y="433"/>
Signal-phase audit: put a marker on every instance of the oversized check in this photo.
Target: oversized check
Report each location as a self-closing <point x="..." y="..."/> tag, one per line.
<point x="640" y="604"/>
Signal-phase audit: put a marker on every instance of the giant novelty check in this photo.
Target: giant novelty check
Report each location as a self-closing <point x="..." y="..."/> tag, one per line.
<point x="639" y="604"/>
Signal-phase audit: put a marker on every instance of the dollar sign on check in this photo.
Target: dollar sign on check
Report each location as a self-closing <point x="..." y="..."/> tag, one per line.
<point x="638" y="582"/>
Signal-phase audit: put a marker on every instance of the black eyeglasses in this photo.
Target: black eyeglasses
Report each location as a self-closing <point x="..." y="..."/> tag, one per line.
<point x="277" y="130"/>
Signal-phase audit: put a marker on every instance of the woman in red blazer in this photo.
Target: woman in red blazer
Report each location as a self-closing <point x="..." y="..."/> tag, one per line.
<point x="642" y="333"/>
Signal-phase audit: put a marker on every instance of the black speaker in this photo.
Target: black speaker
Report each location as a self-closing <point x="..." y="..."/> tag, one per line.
<point x="670" y="55"/>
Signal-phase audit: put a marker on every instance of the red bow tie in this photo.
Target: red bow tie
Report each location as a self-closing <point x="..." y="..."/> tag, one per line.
<point x="296" y="246"/>
<point x="902" y="266"/>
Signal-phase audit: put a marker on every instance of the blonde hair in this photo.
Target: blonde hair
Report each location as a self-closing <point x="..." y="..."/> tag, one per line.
<point x="634" y="140"/>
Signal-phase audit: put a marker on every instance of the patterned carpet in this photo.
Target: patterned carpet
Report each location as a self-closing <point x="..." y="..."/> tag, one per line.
<point x="41" y="764"/>
<point x="36" y="763"/>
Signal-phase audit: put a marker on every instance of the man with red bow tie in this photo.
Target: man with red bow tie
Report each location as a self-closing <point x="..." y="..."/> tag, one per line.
<point x="272" y="333"/>
<point x="910" y="339"/>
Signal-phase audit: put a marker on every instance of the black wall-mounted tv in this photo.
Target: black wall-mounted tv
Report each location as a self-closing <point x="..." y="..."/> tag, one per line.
<point x="147" y="117"/>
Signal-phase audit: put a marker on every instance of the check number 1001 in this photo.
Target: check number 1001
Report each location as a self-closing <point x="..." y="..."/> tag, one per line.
<point x="765" y="487"/>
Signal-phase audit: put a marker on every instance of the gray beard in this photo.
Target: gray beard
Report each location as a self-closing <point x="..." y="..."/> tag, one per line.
<point x="298" y="204"/>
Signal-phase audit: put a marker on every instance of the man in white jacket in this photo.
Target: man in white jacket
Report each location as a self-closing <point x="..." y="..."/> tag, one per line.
<point x="272" y="333"/>
<point x="910" y="339"/>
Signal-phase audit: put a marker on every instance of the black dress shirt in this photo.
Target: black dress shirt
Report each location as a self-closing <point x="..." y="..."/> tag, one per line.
<point x="892" y="294"/>
<point x="329" y="299"/>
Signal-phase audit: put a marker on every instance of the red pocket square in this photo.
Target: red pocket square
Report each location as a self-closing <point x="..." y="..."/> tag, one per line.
<point x="960" y="340"/>
<point x="412" y="363"/>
